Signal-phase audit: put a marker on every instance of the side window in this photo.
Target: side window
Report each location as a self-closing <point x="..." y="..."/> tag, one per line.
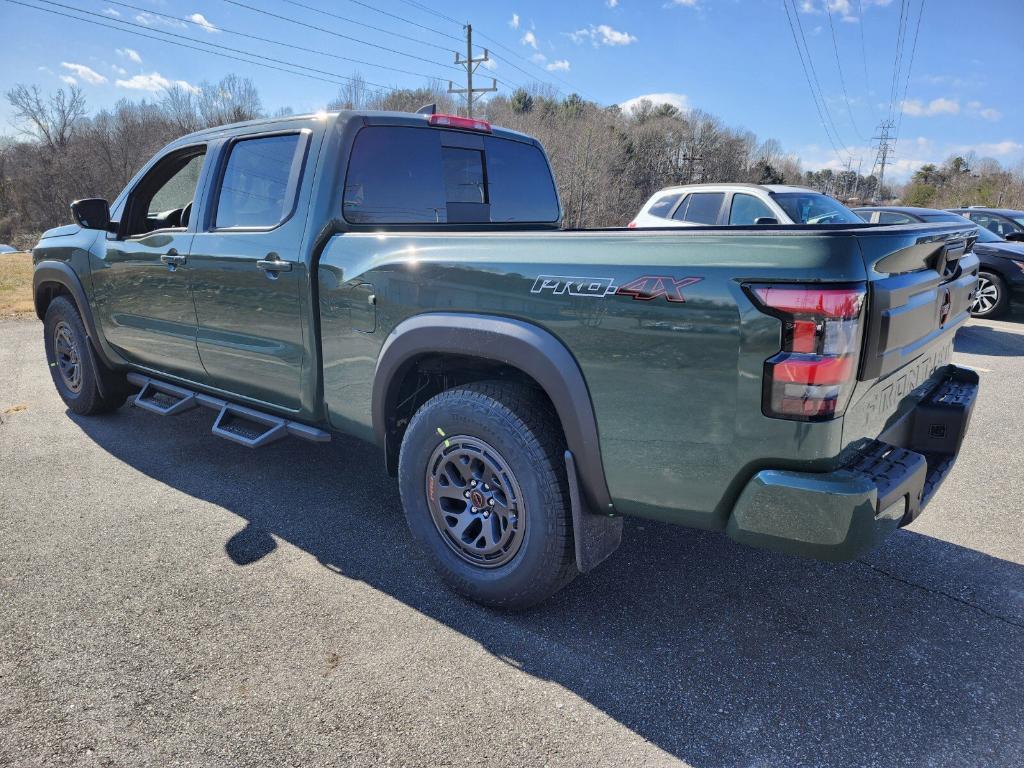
<point x="163" y="198"/>
<point x="260" y="181"/>
<point x="700" y="208"/>
<point x="663" y="206"/>
<point x="992" y="223"/>
<point x="888" y="217"/>
<point x="746" y="209"/>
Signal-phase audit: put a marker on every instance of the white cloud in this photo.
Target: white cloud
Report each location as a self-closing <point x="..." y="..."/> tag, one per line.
<point x="154" y="82"/>
<point x="514" y="21"/>
<point x="130" y="54"/>
<point x="558" y="65"/>
<point x="677" y="100"/>
<point x="538" y="58"/>
<point x="529" y="39"/>
<point x="111" y="12"/>
<point x="992" y="149"/>
<point x="119" y="70"/>
<point x="987" y="113"/>
<point x="602" y="34"/>
<point x="151" y="20"/>
<point x="685" y="3"/>
<point x="198" y="18"/>
<point x="940" y="106"/>
<point x="69" y="79"/>
<point x="83" y="72"/>
<point x="489" y="64"/>
<point x="612" y="3"/>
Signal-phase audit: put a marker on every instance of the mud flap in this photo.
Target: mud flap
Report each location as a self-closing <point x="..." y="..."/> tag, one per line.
<point x="596" y="535"/>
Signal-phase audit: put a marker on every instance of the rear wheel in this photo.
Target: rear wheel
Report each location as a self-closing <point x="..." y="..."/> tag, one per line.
<point x="482" y="478"/>
<point x="990" y="297"/>
<point x="84" y="384"/>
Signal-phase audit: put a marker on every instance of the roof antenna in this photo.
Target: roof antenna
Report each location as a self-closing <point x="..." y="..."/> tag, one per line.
<point x="427" y="109"/>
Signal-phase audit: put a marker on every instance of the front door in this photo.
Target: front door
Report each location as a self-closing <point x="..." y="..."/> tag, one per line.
<point x="247" y="269"/>
<point x="141" y="279"/>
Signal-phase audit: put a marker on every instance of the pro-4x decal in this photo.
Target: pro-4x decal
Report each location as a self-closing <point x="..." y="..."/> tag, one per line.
<point x="644" y="288"/>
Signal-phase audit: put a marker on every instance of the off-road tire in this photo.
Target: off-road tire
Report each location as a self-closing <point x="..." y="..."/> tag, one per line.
<point x="524" y="431"/>
<point x="92" y="388"/>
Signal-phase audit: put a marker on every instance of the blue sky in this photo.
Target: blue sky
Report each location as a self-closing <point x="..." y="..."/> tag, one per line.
<point x="734" y="58"/>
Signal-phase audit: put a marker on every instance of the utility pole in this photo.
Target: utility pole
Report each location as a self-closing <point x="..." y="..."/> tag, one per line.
<point x="884" y="150"/>
<point x="471" y="64"/>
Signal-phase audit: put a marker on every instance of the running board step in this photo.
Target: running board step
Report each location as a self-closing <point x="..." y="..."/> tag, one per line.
<point x="247" y="427"/>
<point x="242" y="425"/>
<point x="165" y="399"/>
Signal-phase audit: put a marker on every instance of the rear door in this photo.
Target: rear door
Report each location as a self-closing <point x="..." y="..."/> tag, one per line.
<point x="247" y="269"/>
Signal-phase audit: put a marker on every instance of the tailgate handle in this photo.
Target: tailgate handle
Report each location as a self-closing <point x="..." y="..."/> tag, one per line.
<point x="172" y="258"/>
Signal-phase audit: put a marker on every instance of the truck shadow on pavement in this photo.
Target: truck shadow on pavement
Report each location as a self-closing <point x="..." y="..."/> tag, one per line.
<point x="718" y="654"/>
<point x="984" y="340"/>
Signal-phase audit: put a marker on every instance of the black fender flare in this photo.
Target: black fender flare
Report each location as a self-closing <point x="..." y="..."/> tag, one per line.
<point x="60" y="273"/>
<point x="521" y="345"/>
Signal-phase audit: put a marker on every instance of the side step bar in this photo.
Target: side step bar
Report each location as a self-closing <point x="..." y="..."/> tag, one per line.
<point x="245" y="426"/>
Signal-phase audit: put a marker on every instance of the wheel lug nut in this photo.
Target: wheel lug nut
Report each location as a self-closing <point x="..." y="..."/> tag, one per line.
<point x="490" y="502"/>
<point x="473" y="483"/>
<point x="466" y="494"/>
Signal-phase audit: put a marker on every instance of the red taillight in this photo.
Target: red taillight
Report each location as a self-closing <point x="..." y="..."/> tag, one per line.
<point x="454" y="121"/>
<point x="631" y="225"/>
<point x="812" y="377"/>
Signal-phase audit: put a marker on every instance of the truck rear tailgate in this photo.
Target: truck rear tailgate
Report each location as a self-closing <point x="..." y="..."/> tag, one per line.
<point x="921" y="280"/>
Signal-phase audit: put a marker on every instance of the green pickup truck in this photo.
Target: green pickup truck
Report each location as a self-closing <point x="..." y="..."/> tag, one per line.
<point x="403" y="278"/>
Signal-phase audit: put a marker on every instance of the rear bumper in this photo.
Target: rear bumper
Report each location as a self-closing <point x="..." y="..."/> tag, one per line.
<point x="885" y="484"/>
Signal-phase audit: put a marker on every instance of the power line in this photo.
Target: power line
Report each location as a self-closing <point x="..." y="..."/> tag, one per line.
<point x="187" y="20"/>
<point x="447" y="49"/>
<point x="525" y="61"/>
<point x="910" y="67"/>
<point x="807" y="77"/>
<point x="839" y="66"/>
<point x="814" y="75"/>
<point x="405" y="20"/>
<point x="434" y="11"/>
<point x="863" y="49"/>
<point x="901" y="33"/>
<point x="260" y="62"/>
<point x="336" y="34"/>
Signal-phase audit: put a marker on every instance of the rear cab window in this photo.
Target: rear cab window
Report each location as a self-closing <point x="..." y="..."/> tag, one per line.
<point x="413" y="175"/>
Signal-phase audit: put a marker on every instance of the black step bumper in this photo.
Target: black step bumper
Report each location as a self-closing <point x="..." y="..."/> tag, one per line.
<point x="885" y="484"/>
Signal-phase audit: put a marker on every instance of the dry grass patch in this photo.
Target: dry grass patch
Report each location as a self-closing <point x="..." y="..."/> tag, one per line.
<point x="16" y="285"/>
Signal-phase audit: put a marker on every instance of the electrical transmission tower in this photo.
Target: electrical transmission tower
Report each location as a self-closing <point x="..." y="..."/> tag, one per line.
<point x="885" y="150"/>
<point x="471" y="65"/>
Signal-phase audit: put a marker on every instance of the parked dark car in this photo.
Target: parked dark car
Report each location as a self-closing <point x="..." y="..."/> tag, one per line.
<point x="1007" y="223"/>
<point x="1002" y="262"/>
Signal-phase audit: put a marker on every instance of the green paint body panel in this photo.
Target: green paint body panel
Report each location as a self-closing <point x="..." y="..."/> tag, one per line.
<point x="676" y="386"/>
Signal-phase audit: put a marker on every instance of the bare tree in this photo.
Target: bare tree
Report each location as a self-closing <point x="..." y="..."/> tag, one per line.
<point x="51" y="121"/>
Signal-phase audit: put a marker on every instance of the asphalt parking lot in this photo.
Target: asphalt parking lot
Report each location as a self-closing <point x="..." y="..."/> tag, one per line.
<point x="168" y="598"/>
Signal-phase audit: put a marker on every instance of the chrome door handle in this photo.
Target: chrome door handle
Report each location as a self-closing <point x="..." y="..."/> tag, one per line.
<point x="172" y="258"/>
<point x="274" y="263"/>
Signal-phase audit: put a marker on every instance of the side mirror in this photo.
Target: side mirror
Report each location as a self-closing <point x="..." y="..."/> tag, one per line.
<point x="1015" y="237"/>
<point x="766" y="220"/>
<point x="92" y="213"/>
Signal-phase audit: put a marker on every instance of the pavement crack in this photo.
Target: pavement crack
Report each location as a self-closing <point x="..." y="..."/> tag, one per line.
<point x="941" y="593"/>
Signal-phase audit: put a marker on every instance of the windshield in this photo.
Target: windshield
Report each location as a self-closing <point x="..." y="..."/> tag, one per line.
<point x="1018" y="219"/>
<point x="815" y="208"/>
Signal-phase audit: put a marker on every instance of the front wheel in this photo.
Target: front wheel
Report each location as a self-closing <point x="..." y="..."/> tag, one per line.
<point x="75" y="371"/>
<point x="990" y="297"/>
<point x="482" y="478"/>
